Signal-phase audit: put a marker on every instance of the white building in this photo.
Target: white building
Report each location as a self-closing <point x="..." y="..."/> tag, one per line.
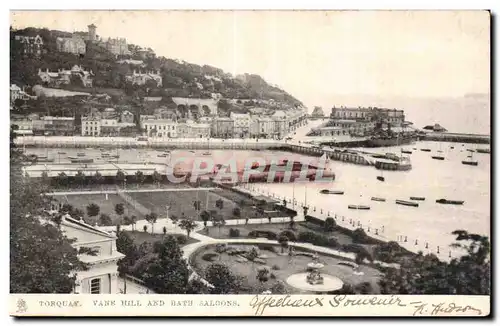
<point x="17" y="92"/>
<point x="160" y="128"/>
<point x="91" y="126"/>
<point x="102" y="275"/>
<point x="63" y="76"/>
<point x="242" y="124"/>
<point x="140" y="78"/>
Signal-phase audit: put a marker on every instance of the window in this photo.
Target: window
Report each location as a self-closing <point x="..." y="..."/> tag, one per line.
<point x="95" y="286"/>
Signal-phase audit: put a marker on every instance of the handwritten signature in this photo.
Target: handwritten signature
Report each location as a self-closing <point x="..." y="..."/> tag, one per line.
<point x="422" y="308"/>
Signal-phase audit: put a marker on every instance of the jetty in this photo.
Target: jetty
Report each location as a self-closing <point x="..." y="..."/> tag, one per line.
<point x="457" y="137"/>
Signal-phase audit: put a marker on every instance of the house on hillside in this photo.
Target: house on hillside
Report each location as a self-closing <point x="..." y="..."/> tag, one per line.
<point x="17" y="92"/>
<point x="102" y="275"/>
<point x="30" y="45"/>
<point x="195" y="107"/>
<point x="74" y="44"/>
<point x="63" y="76"/>
<point x="140" y="78"/>
<point x="127" y="117"/>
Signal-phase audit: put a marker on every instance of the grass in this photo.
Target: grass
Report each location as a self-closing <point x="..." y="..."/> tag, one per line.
<point x="141" y="237"/>
<point x="182" y="202"/>
<point x="106" y="206"/>
<point x="287" y="267"/>
<point x="273" y="227"/>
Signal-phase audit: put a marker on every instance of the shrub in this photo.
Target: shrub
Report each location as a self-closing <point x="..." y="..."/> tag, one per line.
<point x="307" y="236"/>
<point x="266" y="247"/>
<point x="275" y="268"/>
<point x="234" y="233"/>
<point x="330" y="224"/>
<point x="181" y="239"/>
<point x="263" y="234"/>
<point x="363" y="288"/>
<point x="314" y="220"/>
<point x="272" y="276"/>
<point x="289" y="234"/>
<point x="333" y="242"/>
<point x="236" y="211"/>
<point x="209" y="256"/>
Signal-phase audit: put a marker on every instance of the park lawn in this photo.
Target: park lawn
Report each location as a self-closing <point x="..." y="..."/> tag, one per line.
<point x="182" y="202"/>
<point x="106" y="206"/>
<point x="141" y="237"/>
<point x="273" y="227"/>
<point x="286" y="267"/>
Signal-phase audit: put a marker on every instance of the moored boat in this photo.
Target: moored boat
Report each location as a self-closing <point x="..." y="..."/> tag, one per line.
<point x="406" y="152"/>
<point x="470" y="150"/>
<point x="483" y="150"/>
<point x="378" y="199"/>
<point x="425" y="149"/>
<point x="332" y="192"/>
<point x="363" y="207"/>
<point x="473" y="163"/>
<point x="452" y="147"/>
<point x="380" y="178"/>
<point x="441" y="158"/>
<point x="406" y="203"/>
<point x="449" y="202"/>
<point x="417" y="198"/>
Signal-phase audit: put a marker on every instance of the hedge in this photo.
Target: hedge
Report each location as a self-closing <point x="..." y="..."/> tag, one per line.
<point x="263" y="234"/>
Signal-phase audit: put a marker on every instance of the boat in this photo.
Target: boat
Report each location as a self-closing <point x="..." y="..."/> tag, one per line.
<point x="414" y="148"/>
<point x="80" y="154"/>
<point x="441" y="158"/>
<point x="425" y="149"/>
<point x="388" y="141"/>
<point x="417" y="198"/>
<point x="61" y="153"/>
<point x="470" y="161"/>
<point x="378" y="199"/>
<point x="452" y="147"/>
<point x="380" y="178"/>
<point x="470" y="150"/>
<point x="406" y="203"/>
<point x="358" y="207"/>
<point x="115" y="156"/>
<point x="483" y="150"/>
<point x="332" y="192"/>
<point x="406" y="152"/>
<point x="440" y="151"/>
<point x="449" y="202"/>
<point x="81" y="160"/>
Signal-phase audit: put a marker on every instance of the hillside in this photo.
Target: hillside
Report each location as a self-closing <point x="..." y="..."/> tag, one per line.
<point x="180" y="79"/>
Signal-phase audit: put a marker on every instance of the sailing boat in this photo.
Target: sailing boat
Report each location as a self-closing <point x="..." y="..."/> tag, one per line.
<point x="381" y="176"/>
<point x="470" y="161"/>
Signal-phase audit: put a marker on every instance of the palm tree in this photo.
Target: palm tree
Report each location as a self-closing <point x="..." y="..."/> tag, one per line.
<point x="283" y="241"/>
<point x="79" y="178"/>
<point x="139" y="177"/>
<point x="120" y="177"/>
<point x="156" y="178"/>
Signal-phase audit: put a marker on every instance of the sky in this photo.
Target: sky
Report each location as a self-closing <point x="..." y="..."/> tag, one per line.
<point x="314" y="55"/>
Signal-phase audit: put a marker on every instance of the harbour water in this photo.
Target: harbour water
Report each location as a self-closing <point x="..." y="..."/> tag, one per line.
<point x="433" y="179"/>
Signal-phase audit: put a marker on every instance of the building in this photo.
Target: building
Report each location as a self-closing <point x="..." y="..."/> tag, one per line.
<point x="108" y="113"/>
<point x="102" y="274"/>
<point x="109" y="127"/>
<point x="30" y="45"/>
<point x="64" y="77"/>
<point x="91" y="126"/>
<point x="17" y="92"/>
<point x="117" y="46"/>
<point x="160" y="128"/>
<point x="141" y="78"/>
<point x="145" y="53"/>
<point x="127" y="117"/>
<point x="54" y="126"/>
<point x="392" y="116"/>
<point x="24" y="125"/>
<point x="262" y="127"/>
<point x="223" y="127"/>
<point x="198" y="130"/>
<point x="317" y="112"/>
<point x="281" y="121"/>
<point x="241" y="124"/>
<point x="74" y="44"/>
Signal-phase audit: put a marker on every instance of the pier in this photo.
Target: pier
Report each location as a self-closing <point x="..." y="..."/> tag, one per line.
<point x="457" y="137"/>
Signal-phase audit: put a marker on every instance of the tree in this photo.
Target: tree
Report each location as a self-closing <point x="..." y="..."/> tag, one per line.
<point x="145" y="228"/>
<point x="218" y="221"/>
<point x="45" y="178"/>
<point x="330" y="224"/>
<point x="120" y="209"/>
<point x="62" y="179"/>
<point x="124" y="243"/>
<point x="120" y="178"/>
<point x="237" y="212"/>
<point x="80" y="178"/>
<point x="140" y="178"/>
<point x="283" y="241"/>
<point x="156" y="178"/>
<point x="93" y="209"/>
<point x="263" y="274"/>
<point x="42" y="258"/>
<point x="363" y="288"/>
<point x="133" y="221"/>
<point x="151" y="218"/>
<point x="222" y="279"/>
<point x="187" y="225"/>
<point x="105" y="220"/>
<point x="98" y="178"/>
<point x="169" y="274"/>
<point x="164" y="230"/>
<point x="205" y="216"/>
